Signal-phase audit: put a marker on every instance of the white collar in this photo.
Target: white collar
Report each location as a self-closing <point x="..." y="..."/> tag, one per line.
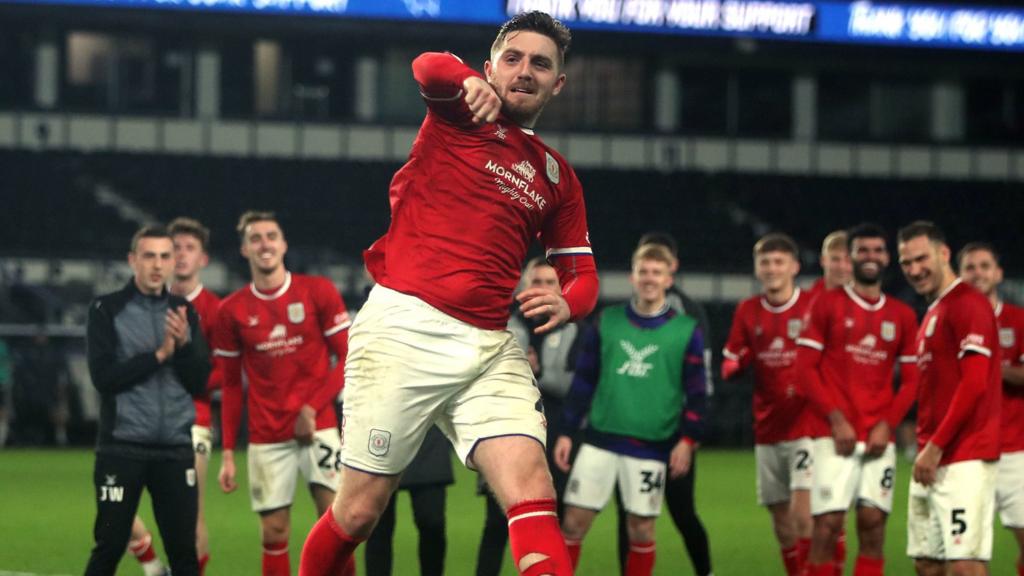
<point x="782" y="308"/>
<point x="195" y="293"/>
<point x="280" y="291"/>
<point x="944" y="292"/>
<point x="862" y="302"/>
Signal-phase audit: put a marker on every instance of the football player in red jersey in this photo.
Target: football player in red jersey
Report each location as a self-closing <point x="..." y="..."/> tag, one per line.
<point x="835" y="263"/>
<point x="431" y="344"/>
<point x="281" y="329"/>
<point x="979" y="265"/>
<point x="854" y="338"/>
<point x="952" y="495"/>
<point x="763" y="335"/>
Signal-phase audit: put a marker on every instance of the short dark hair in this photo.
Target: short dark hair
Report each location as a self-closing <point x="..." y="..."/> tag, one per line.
<point x="776" y="242"/>
<point x="149" y="231"/>
<point x="250" y="216"/>
<point x="191" y="227"/>
<point x="538" y="22"/>
<point x="864" y="230"/>
<point x="971" y="247"/>
<point x="661" y="239"/>
<point x="921" y="228"/>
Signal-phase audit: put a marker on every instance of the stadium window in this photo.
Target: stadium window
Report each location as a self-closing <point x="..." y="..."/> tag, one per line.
<point x="603" y="93"/>
<point x="320" y="85"/>
<point x="397" y="94"/>
<point x="112" y="73"/>
<point x="994" y="110"/>
<point x="236" y="78"/>
<point x="16" y="60"/>
<point x="764" y="104"/>
<point x="844" y="107"/>
<point x="704" y="100"/>
<point x="901" y="110"/>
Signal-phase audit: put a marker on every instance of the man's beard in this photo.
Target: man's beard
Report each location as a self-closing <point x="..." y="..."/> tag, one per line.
<point x="861" y="278"/>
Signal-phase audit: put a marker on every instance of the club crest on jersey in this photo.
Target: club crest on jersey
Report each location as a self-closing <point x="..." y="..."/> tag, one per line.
<point x="929" y="330"/>
<point x="296" y="312"/>
<point x="1007" y="338"/>
<point x="552" y="168"/>
<point x="380" y="442"/>
<point x="888" y="332"/>
<point x="793" y="328"/>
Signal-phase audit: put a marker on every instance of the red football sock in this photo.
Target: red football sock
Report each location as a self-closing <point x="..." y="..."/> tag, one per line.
<point x="826" y="569"/>
<point x="640" y="560"/>
<point x="867" y="566"/>
<point x="1020" y="569"/>
<point x="142" y="549"/>
<point x="328" y="549"/>
<point x="533" y="529"/>
<point x="574" y="547"/>
<point x="202" y="564"/>
<point x="839" y="559"/>
<point x="803" y="548"/>
<point x="275" y="559"/>
<point x="791" y="560"/>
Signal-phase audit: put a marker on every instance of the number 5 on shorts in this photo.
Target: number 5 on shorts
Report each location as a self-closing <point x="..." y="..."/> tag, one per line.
<point x="959" y="524"/>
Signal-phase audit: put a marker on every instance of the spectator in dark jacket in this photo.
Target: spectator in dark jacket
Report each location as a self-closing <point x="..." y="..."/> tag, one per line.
<point x="147" y="357"/>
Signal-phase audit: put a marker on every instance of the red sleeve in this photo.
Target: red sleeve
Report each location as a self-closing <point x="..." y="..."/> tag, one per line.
<point x="325" y="395"/>
<point x="808" y="363"/>
<point x="440" y="76"/>
<point x="231" y="399"/>
<point x="331" y="313"/>
<point x="909" y="373"/>
<point x="334" y="321"/>
<point x="567" y="244"/>
<point x="809" y="351"/>
<point x="972" y="386"/>
<point x="972" y="323"/>
<point x="907" y="394"/>
<point x="227" y="352"/>
<point x="737" y="347"/>
<point x="577" y="276"/>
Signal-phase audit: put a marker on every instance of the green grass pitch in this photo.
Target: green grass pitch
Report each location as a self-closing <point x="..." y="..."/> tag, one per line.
<point x="47" y="509"/>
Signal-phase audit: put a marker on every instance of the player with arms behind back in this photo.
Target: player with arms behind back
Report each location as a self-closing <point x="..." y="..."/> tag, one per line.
<point x="763" y="335"/>
<point x="979" y="265"/>
<point x="431" y="345"/>
<point x="281" y="329"/>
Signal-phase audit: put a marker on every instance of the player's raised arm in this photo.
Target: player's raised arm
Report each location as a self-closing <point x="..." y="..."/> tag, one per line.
<point x="453" y="90"/>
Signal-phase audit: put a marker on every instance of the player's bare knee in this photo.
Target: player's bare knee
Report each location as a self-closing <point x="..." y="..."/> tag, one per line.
<point x="358" y="518"/>
<point x="640" y="528"/>
<point x="967" y="568"/>
<point x="575" y="523"/>
<point x="927" y="567"/>
<point x="275" y="532"/>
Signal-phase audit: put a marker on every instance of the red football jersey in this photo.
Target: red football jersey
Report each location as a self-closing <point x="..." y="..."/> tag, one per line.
<point x="1010" y="319"/>
<point x="469" y="202"/>
<point x="765" y="336"/>
<point x="206" y="304"/>
<point x="281" y="338"/>
<point x="860" y="343"/>
<point x="816" y="289"/>
<point x="958" y="323"/>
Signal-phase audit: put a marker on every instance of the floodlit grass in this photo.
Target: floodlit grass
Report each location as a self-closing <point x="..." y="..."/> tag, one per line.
<point x="47" y="510"/>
